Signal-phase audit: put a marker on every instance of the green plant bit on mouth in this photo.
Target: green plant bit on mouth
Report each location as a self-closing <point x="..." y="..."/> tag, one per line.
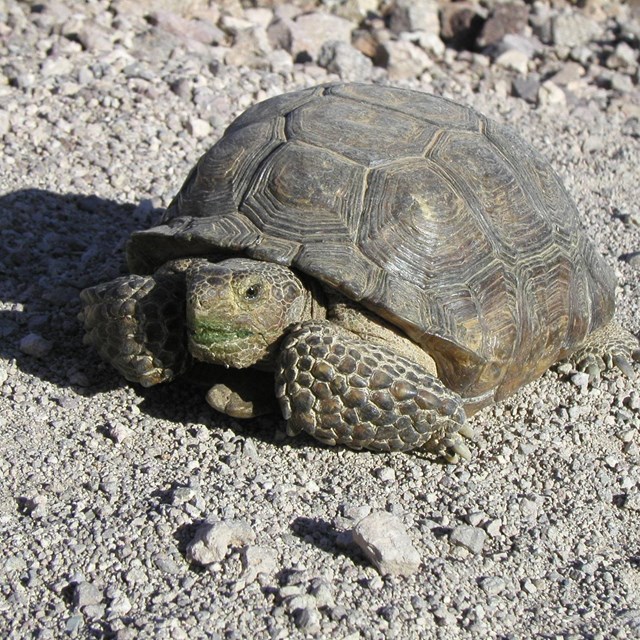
<point x="212" y="333"/>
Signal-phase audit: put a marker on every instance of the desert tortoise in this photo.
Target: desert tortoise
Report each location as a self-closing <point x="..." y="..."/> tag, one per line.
<point x="397" y="259"/>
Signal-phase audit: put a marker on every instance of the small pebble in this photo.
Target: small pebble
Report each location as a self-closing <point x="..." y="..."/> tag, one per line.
<point x="386" y="474"/>
<point x="471" y="538"/>
<point x="580" y="379"/>
<point x="167" y="564"/>
<point x="198" y="128"/>
<point x="492" y="585"/>
<point x="35" y="345"/>
<point x="86" y="593"/>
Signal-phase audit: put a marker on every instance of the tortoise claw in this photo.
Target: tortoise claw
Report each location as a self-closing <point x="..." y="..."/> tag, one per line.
<point x="624" y="365"/>
<point x="454" y="449"/>
<point x="467" y="432"/>
<point x="607" y="348"/>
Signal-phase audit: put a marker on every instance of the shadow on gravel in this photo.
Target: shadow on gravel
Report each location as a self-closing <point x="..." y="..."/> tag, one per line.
<point x="325" y="536"/>
<point x="53" y="245"/>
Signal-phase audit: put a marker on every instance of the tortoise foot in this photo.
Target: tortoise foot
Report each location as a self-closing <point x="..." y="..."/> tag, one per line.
<point x="609" y="347"/>
<point x="242" y="394"/>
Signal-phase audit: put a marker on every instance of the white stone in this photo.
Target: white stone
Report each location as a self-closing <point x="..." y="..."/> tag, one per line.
<point x="471" y="538"/>
<point x="212" y="541"/>
<point x="514" y="60"/>
<point x="198" y="127"/>
<point x="550" y="94"/>
<point x="385" y="541"/>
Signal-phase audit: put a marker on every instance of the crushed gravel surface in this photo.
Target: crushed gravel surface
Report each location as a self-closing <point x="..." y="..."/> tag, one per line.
<point x="131" y="513"/>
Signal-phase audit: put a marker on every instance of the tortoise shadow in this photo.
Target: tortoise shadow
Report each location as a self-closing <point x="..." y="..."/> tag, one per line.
<point x="52" y="245"/>
<point x="182" y="401"/>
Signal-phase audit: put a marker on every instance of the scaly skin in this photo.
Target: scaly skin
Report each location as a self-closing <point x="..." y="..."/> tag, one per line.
<point x="608" y="347"/>
<point x="137" y="324"/>
<point x="343" y="390"/>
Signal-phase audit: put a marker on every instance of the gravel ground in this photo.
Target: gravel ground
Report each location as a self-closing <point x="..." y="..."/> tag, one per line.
<point x="104" y="106"/>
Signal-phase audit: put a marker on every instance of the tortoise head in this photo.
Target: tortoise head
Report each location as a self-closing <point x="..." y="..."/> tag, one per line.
<point x="238" y="309"/>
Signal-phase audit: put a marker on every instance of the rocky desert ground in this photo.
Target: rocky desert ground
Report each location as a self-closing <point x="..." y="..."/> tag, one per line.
<point x="131" y="513"/>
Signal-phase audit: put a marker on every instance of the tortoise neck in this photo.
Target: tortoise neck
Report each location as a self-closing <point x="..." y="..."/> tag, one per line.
<point x="316" y="302"/>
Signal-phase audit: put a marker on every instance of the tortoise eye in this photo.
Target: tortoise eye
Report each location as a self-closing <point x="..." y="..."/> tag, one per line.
<point x="252" y="292"/>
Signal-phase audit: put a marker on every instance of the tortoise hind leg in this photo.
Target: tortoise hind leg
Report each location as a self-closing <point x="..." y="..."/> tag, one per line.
<point x="242" y="393"/>
<point x="344" y="390"/>
<point x="607" y="347"/>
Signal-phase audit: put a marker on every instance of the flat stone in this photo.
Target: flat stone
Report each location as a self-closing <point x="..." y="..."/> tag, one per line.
<point x="431" y="43"/>
<point x="550" y="94"/>
<point x="250" y="48"/>
<point x="341" y="58"/>
<point x="580" y="379"/>
<point x="621" y="82"/>
<point x="514" y="60"/>
<point x="86" y="594"/>
<point x="623" y="57"/>
<point x="569" y="73"/>
<point x="93" y="38"/>
<point x="310" y="31"/>
<point x="405" y="60"/>
<point x="307" y="619"/>
<point x="198" y="127"/>
<point x="385" y="542"/>
<point x="35" y="345"/>
<point x="74" y="623"/>
<point x="256" y="560"/>
<point x="212" y="541"/>
<point x="471" y="538"/>
<point x="167" y="564"/>
<point x="56" y="66"/>
<point x="526" y="87"/>
<point x="529" y="45"/>
<point x="120" y="605"/>
<point x="492" y="585"/>
<point x="508" y="18"/>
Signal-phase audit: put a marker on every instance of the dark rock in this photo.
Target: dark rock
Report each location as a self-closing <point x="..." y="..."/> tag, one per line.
<point x="460" y="24"/>
<point x="526" y="87"/>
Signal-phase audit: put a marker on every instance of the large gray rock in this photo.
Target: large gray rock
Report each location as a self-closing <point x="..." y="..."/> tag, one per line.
<point x="573" y="29"/>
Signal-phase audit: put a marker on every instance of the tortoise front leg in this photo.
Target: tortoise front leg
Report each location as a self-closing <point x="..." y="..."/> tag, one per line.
<point x="137" y="324"/>
<point x="344" y="390"/>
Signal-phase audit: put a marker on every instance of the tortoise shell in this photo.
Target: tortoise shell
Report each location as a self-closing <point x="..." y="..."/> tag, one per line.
<point x="441" y="221"/>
